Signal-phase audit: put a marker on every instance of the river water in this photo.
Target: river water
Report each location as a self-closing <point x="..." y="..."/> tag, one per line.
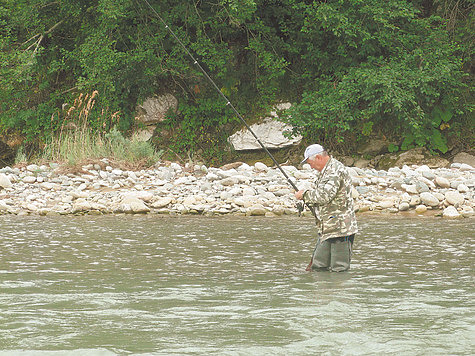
<point x="118" y="285"/>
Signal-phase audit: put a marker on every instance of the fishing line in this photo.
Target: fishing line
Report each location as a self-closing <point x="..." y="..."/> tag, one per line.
<point x="228" y="102"/>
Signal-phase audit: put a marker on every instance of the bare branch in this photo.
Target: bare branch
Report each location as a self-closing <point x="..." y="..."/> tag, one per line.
<point x="40" y="39"/>
<point x="24" y="43"/>
<point x="52" y="28"/>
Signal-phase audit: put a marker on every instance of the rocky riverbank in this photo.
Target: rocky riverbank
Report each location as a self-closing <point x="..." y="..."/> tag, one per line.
<point x="233" y="189"/>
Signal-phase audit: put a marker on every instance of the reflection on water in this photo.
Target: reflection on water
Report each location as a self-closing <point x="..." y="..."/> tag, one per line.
<point x="234" y="286"/>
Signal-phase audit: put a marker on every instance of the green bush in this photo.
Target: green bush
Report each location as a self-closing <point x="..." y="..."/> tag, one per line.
<point x="353" y="68"/>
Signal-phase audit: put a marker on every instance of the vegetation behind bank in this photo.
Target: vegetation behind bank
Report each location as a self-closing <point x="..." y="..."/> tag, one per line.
<point x="401" y="70"/>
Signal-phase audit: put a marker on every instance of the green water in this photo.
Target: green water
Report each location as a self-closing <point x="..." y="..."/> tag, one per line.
<point x="232" y="286"/>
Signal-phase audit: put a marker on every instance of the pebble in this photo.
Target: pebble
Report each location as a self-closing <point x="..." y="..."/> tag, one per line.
<point x="238" y="188"/>
<point x="454" y="197"/>
<point x="429" y="199"/>
<point x="442" y="182"/>
<point x="421" y="209"/>
<point x="451" y="212"/>
<point x="5" y="181"/>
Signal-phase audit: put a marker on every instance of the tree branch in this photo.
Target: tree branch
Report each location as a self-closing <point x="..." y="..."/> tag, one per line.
<point x="40" y="39"/>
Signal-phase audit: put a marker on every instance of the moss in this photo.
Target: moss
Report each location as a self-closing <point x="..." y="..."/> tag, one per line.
<point x="387" y="161"/>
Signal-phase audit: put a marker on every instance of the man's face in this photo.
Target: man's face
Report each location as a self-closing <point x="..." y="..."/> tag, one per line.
<point x="317" y="162"/>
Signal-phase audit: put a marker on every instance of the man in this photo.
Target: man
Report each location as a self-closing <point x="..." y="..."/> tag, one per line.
<point x="333" y="204"/>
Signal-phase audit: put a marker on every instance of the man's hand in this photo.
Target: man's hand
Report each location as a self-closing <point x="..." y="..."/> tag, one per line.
<point x="299" y="194"/>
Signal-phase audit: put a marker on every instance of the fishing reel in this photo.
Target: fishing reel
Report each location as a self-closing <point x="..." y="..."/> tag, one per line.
<point x="300" y="207"/>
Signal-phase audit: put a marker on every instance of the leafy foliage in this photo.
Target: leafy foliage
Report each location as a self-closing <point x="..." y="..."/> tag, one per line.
<point x="352" y="68"/>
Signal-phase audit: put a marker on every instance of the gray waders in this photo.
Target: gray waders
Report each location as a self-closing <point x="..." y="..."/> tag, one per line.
<point x="333" y="254"/>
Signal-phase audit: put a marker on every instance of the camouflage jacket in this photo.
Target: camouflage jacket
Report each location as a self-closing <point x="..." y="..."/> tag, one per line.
<point x="331" y="197"/>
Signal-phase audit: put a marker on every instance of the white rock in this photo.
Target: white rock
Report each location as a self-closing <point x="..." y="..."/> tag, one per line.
<point x="230" y="181"/>
<point x="176" y="167"/>
<point x="32" y="168"/>
<point x="257" y="210"/>
<point x="428" y="182"/>
<point x="183" y="180"/>
<point x="79" y="195"/>
<point x="245" y="167"/>
<point x="421" y="209"/>
<point x="442" y="182"/>
<point x="3" y="206"/>
<point x="235" y="191"/>
<point x="454" y="198"/>
<point x="466" y="167"/>
<point x="429" y="199"/>
<point x="428" y="175"/>
<point x="386" y="204"/>
<point x="47" y="186"/>
<point x="423" y="168"/>
<point x="154" y="109"/>
<point x="276" y="187"/>
<point x="462" y="188"/>
<point x="159" y="182"/>
<point x="248" y="191"/>
<point x="5" y="181"/>
<point x="81" y="205"/>
<point x="303" y="175"/>
<point x="139" y="207"/>
<point x="405" y="197"/>
<point x="270" y="133"/>
<point x="439" y="196"/>
<point x="32" y="207"/>
<point x="451" y="212"/>
<point x="403" y="206"/>
<point x="225" y="195"/>
<point x="248" y="201"/>
<point x="143" y="195"/>
<point x="67" y="199"/>
<point x="261" y="167"/>
<point x="189" y="200"/>
<point x="131" y="204"/>
<point x="410" y="188"/>
<point x="29" y="179"/>
<point x="269" y="196"/>
<point x="467" y="212"/>
<point x="162" y="202"/>
<point x="212" y="177"/>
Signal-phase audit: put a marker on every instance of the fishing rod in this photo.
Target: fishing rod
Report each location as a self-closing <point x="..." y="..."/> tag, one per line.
<point x="228" y="103"/>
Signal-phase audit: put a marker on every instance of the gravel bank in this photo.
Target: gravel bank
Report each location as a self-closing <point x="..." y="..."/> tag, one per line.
<point x="233" y="189"/>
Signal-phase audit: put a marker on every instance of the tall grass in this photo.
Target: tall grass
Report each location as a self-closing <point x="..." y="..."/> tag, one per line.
<point x="77" y="141"/>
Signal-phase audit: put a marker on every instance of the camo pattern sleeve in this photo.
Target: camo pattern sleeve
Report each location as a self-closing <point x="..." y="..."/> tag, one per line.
<point x="326" y="187"/>
<point x="331" y="196"/>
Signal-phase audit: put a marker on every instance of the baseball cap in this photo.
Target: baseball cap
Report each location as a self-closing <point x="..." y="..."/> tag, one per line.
<point x="312" y="150"/>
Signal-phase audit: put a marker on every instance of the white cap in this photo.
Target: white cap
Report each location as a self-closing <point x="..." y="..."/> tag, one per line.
<point x="312" y="150"/>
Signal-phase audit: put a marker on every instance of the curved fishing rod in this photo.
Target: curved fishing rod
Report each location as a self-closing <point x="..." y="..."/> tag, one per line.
<point x="227" y="101"/>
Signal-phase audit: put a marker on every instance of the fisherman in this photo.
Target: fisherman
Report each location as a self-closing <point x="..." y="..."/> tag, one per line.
<point x="333" y="204"/>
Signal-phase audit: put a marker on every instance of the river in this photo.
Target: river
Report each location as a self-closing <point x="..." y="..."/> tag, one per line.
<point x="155" y="285"/>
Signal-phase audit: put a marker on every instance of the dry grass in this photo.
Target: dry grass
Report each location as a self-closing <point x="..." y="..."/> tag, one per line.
<point x="78" y="143"/>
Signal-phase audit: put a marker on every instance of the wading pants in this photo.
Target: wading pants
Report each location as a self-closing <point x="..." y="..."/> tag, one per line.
<point x="333" y="254"/>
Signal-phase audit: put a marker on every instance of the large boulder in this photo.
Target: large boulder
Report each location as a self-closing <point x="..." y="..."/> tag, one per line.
<point x="373" y="146"/>
<point x="154" y="110"/>
<point x="464" y="157"/>
<point x="269" y="131"/>
<point x="415" y="156"/>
